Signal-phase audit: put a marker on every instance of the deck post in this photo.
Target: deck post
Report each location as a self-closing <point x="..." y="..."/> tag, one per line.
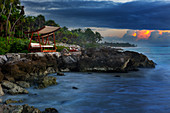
<point x="54" y="40"/>
<point x="30" y="42"/>
<point x="39" y="41"/>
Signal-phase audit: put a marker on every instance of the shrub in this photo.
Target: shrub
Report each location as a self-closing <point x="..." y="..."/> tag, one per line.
<point x="19" y="46"/>
<point x="60" y="48"/>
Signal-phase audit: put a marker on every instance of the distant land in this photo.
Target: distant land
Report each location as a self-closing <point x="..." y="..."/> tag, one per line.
<point x="118" y="44"/>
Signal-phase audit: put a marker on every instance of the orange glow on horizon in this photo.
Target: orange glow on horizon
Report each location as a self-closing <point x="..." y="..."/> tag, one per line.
<point x="134" y="34"/>
<point x="163" y="31"/>
<point x="145" y="34"/>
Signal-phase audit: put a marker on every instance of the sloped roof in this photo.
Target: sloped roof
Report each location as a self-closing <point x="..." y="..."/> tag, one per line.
<point x="46" y="30"/>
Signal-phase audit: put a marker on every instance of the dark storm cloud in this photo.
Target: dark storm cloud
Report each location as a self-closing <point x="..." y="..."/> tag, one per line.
<point x="130" y="15"/>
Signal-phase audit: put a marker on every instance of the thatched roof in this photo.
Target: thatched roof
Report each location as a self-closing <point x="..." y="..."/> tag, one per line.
<point x="45" y="31"/>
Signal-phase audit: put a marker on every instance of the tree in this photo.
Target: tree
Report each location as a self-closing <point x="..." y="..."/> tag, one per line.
<point x="51" y="23"/>
<point x="98" y="37"/>
<point x="39" y="21"/>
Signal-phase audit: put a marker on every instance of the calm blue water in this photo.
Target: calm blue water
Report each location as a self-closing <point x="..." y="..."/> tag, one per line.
<point x="145" y="91"/>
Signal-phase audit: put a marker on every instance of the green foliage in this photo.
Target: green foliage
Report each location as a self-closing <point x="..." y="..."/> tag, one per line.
<point x="60" y="48"/>
<point x="4" y="48"/>
<point x="15" y="46"/>
<point x="51" y="23"/>
<point x="19" y="46"/>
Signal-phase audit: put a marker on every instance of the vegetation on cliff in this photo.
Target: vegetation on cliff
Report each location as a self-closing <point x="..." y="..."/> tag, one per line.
<point x="13" y="23"/>
<point x="118" y="44"/>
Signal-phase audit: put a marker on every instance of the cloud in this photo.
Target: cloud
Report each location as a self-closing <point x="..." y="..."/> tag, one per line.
<point x="111" y="14"/>
<point x="144" y="37"/>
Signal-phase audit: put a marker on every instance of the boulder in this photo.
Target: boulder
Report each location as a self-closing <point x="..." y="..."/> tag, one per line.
<point x="9" y="101"/>
<point x="46" y="81"/>
<point x="3" y="59"/>
<point x="50" y="110"/>
<point x="13" y="56"/>
<point x="23" y="84"/>
<point x="30" y="109"/>
<point x="112" y="60"/>
<point x="18" y="109"/>
<point x="60" y="74"/>
<point x="1" y="91"/>
<point x="1" y="76"/>
<point x="13" y="88"/>
<point x="11" y="109"/>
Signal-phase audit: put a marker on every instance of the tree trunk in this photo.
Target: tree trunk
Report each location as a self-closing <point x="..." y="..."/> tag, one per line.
<point x="8" y="20"/>
<point x="3" y="8"/>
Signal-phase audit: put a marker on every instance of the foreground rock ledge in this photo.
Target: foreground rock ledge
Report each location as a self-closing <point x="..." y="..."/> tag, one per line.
<point x="33" y="66"/>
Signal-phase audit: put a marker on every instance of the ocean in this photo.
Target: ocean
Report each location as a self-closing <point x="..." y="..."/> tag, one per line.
<point x="144" y="91"/>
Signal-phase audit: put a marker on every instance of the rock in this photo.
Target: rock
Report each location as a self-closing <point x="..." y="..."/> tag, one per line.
<point x="50" y="110"/>
<point x="111" y="60"/>
<point x="18" y="109"/>
<point x="3" y="59"/>
<point x="1" y="76"/>
<point x="11" y="109"/>
<point x="9" y="78"/>
<point x="60" y="74"/>
<point x="9" y="101"/>
<point x="117" y="76"/>
<point x="46" y="81"/>
<point x="74" y="88"/>
<point x="1" y="91"/>
<point x="30" y="109"/>
<point x="13" y="88"/>
<point x="1" y="101"/>
<point x="23" y="84"/>
<point x="13" y="56"/>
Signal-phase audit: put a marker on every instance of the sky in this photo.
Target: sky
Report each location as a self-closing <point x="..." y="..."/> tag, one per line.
<point x="145" y="21"/>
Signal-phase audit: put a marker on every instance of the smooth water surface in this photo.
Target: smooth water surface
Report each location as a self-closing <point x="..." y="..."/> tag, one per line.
<point x="145" y="91"/>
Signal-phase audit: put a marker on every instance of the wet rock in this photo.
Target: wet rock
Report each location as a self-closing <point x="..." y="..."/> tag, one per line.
<point x="117" y="76"/>
<point x="23" y="84"/>
<point x="1" y="91"/>
<point x="1" y="76"/>
<point x="111" y="60"/>
<point x="74" y="88"/>
<point x="9" y="78"/>
<point x="13" y="88"/>
<point x="30" y="109"/>
<point x="46" y="81"/>
<point x="3" y="59"/>
<point x="50" y="110"/>
<point x="60" y="74"/>
<point x="9" y="101"/>
<point x="11" y="109"/>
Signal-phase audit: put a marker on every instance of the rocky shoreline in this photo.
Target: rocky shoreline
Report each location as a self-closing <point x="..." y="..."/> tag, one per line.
<point x="19" y="71"/>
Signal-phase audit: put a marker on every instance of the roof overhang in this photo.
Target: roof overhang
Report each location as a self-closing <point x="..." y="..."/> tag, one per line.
<point x="44" y="31"/>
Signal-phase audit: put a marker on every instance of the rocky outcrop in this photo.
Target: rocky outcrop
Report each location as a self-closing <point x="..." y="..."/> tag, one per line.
<point x="24" y="69"/>
<point x="106" y="60"/>
<point x="23" y="84"/>
<point x="50" y="110"/>
<point x="24" y="109"/>
<point x="13" y="88"/>
<point x="46" y="81"/>
<point x="1" y="76"/>
<point x="18" y="109"/>
<point x="9" y="101"/>
<point x="1" y="91"/>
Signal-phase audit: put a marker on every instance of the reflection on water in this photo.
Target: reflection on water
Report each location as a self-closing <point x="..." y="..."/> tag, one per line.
<point x="145" y="91"/>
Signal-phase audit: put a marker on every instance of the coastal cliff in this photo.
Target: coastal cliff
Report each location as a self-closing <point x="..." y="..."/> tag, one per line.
<point x="19" y="71"/>
<point x="32" y="66"/>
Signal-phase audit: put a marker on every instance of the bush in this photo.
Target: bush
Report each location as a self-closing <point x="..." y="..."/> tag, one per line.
<point x="60" y="48"/>
<point x="19" y="46"/>
<point x="4" y="48"/>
